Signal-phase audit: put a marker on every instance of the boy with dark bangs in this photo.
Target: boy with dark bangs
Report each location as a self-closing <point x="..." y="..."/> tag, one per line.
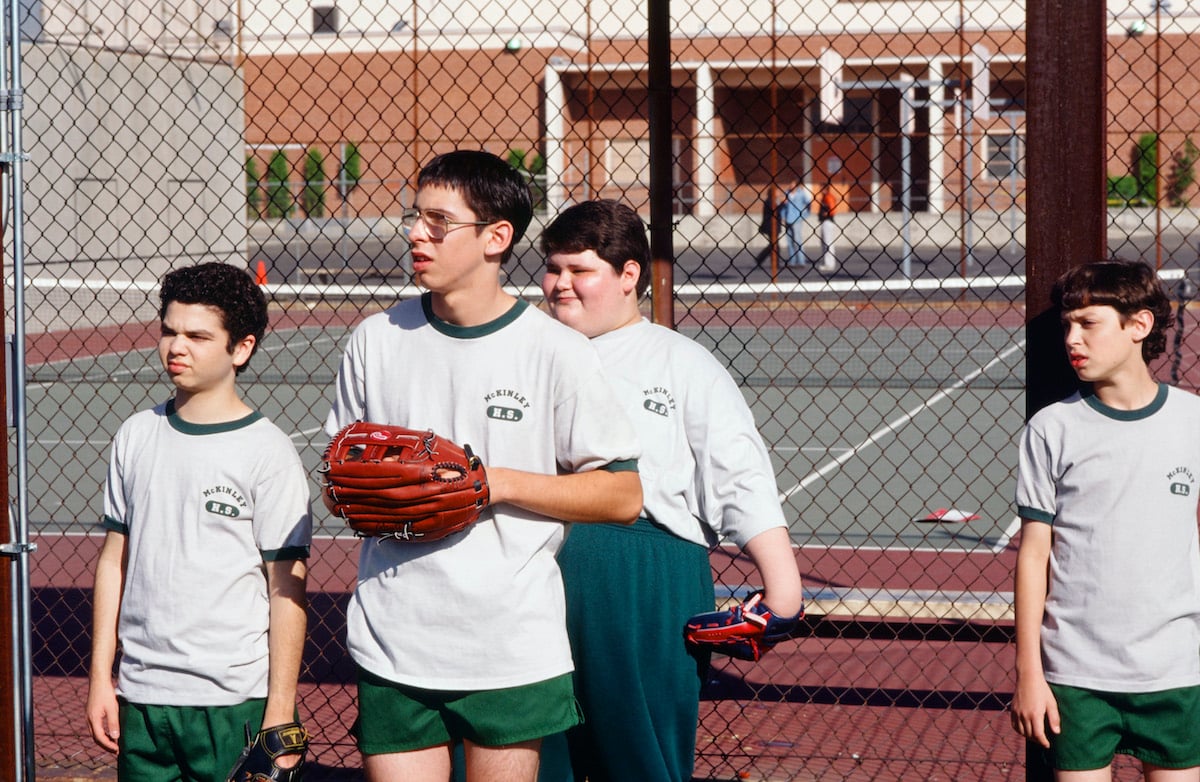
<point x="1108" y="570"/>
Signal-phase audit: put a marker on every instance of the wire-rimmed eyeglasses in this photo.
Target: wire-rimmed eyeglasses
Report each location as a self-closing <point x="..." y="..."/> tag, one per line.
<point x="436" y="223"/>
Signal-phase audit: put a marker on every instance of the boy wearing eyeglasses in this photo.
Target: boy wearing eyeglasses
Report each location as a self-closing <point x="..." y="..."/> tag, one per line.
<point x="464" y="639"/>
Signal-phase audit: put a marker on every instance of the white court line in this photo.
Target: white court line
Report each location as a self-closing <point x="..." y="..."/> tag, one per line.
<point x="88" y="441"/>
<point x="1012" y="529"/>
<point x="892" y="427"/>
<point x="806" y="449"/>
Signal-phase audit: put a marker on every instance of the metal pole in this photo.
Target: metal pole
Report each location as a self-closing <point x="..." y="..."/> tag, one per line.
<point x="906" y="128"/>
<point x="10" y="711"/>
<point x="591" y="166"/>
<point x="20" y="548"/>
<point x="662" y="251"/>
<point x="1158" y="131"/>
<point x="1012" y="180"/>
<point x="414" y="107"/>
<point x="773" y="190"/>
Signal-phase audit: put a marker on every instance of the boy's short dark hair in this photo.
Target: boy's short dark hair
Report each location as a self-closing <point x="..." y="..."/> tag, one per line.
<point x="491" y="188"/>
<point x="229" y="290"/>
<point x="1126" y="286"/>
<point x="609" y="228"/>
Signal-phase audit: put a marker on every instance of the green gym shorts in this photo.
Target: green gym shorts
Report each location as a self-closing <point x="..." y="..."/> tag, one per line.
<point x="1155" y="727"/>
<point x="396" y="718"/>
<point x="188" y="742"/>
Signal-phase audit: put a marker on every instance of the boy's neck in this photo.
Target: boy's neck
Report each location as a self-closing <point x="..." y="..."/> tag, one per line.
<point x="471" y="307"/>
<point x="1133" y="391"/>
<point x="218" y="406"/>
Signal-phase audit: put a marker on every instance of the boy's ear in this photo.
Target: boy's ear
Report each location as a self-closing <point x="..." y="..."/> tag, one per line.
<point x="499" y="237"/>
<point x="242" y="349"/>
<point x="1141" y="323"/>
<point x="629" y="276"/>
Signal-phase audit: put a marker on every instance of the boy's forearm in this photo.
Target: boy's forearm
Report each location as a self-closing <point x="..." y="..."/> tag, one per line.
<point x="771" y="551"/>
<point x="592" y="496"/>
<point x="285" y="638"/>
<point x="106" y="608"/>
<point x="1030" y="588"/>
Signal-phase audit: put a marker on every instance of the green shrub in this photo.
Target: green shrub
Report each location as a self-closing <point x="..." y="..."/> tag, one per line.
<point x="352" y="167"/>
<point x="312" y="195"/>
<point x="1121" y="189"/>
<point x="1144" y="168"/>
<point x="279" y="195"/>
<point x="533" y="166"/>
<point x="1183" y="173"/>
<point x="254" y="193"/>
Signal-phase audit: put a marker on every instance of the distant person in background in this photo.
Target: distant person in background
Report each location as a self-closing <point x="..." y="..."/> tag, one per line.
<point x="826" y="209"/>
<point x="769" y="226"/>
<point x="795" y="206"/>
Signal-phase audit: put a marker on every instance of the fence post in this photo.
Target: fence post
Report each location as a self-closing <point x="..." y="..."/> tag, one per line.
<point x="662" y="251"/>
<point x="1067" y="223"/>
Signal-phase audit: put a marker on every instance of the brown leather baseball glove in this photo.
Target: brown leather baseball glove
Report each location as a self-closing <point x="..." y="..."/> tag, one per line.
<point x="392" y="482"/>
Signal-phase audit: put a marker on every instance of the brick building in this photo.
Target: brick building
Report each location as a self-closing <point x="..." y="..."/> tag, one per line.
<point x="877" y="97"/>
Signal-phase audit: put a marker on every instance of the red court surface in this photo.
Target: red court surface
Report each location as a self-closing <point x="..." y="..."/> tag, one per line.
<point x="843" y="704"/>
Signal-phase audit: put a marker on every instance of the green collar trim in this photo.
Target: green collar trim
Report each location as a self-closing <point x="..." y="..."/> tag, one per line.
<point x="187" y="427"/>
<point x="470" y="332"/>
<point x="1160" y="399"/>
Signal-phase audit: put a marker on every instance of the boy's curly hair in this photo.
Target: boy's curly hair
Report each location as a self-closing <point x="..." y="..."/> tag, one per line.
<point x="229" y="290"/>
<point x="1126" y="286"/>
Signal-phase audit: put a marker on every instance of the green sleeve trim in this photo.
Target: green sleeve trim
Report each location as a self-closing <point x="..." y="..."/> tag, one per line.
<point x="115" y="525"/>
<point x="1033" y="514"/>
<point x="625" y="465"/>
<point x="286" y="553"/>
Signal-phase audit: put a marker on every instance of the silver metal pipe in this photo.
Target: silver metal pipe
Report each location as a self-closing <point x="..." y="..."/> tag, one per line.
<point x="14" y="156"/>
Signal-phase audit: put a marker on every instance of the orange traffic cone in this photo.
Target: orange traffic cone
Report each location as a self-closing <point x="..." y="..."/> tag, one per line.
<point x="260" y="273"/>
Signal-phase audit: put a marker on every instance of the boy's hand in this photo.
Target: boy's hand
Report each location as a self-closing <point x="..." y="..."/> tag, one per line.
<point x="1034" y="709"/>
<point x="102" y="714"/>
<point x="744" y="632"/>
<point x="276" y="754"/>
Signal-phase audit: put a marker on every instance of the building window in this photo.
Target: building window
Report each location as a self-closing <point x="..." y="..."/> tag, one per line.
<point x="1008" y="97"/>
<point x="858" y="115"/>
<point x="325" y="20"/>
<point x="628" y="161"/>
<point x="1005" y="155"/>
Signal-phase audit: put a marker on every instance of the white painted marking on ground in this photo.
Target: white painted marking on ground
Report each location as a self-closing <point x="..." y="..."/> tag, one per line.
<point x="1012" y="529"/>
<point x="890" y="428"/>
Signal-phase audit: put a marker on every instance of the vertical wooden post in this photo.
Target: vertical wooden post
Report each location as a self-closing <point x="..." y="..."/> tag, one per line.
<point x="662" y="163"/>
<point x="1066" y="221"/>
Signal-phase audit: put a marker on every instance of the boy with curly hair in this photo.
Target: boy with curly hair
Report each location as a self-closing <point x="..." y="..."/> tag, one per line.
<point x="201" y="577"/>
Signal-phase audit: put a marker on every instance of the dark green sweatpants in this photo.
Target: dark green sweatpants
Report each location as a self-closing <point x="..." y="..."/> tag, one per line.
<point x="629" y="592"/>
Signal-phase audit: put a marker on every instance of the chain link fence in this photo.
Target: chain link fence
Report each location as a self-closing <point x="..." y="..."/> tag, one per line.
<point x="881" y="344"/>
